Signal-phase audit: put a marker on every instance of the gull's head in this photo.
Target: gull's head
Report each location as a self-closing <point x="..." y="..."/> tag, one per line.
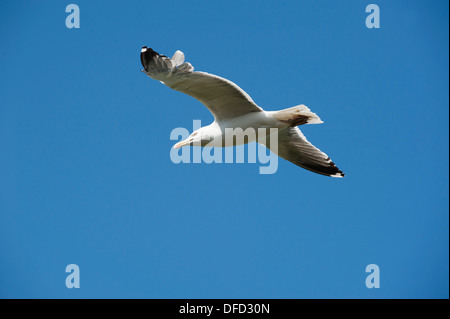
<point x="197" y="138"/>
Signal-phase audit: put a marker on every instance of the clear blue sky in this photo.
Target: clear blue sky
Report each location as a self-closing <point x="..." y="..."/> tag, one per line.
<point x="86" y="177"/>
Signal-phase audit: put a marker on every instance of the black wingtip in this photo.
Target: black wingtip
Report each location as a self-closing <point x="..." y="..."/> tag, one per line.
<point x="338" y="174"/>
<point x="146" y="55"/>
<point x="331" y="170"/>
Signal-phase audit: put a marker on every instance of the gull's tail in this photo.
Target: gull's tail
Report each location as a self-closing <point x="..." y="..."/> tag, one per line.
<point x="297" y="115"/>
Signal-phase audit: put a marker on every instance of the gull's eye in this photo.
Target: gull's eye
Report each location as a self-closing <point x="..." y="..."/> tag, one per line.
<point x="194" y="134"/>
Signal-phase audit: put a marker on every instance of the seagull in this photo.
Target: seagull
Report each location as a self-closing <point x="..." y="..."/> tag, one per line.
<point x="233" y="108"/>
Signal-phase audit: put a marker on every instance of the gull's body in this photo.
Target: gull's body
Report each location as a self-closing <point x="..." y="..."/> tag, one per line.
<point x="233" y="109"/>
<point x="216" y="130"/>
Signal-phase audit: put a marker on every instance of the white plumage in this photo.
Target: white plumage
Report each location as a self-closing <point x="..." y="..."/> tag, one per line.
<point x="233" y="108"/>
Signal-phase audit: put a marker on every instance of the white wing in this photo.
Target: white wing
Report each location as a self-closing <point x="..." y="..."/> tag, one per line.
<point x="222" y="97"/>
<point x="294" y="147"/>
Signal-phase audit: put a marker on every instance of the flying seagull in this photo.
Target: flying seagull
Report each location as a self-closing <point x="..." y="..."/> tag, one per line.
<point x="233" y="108"/>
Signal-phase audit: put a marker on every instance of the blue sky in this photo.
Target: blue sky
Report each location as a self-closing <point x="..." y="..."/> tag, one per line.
<point x="86" y="177"/>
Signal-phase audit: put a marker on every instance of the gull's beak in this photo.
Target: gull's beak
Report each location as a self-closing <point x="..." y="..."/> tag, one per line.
<point x="182" y="143"/>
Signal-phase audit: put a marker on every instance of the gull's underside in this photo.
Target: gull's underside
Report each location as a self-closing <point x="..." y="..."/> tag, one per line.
<point x="228" y="103"/>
